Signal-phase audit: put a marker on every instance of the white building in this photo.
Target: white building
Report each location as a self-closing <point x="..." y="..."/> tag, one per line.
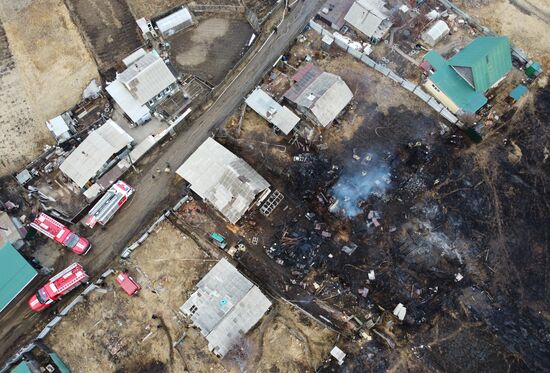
<point x="435" y="33"/>
<point x="90" y="158"/>
<point x="225" y="306"/>
<point x="223" y="179"/>
<point x="321" y="96"/>
<point x="140" y="87"/>
<point x="269" y="109"/>
<point x="370" y="18"/>
<point x="175" y="22"/>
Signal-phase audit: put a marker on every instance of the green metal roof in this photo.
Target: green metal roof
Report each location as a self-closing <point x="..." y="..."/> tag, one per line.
<point x="15" y="274"/>
<point x="466" y="76"/>
<point x="456" y="88"/>
<point x="22" y="367"/>
<point x="59" y="363"/>
<point x="488" y="58"/>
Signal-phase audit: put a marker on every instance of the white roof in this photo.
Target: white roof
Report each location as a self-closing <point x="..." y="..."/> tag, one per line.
<point x="280" y="116"/>
<point x="435" y="33"/>
<point x="325" y="96"/>
<point x="225" y="306"/>
<point x="142" y="24"/>
<point x="59" y="128"/>
<point x="366" y="16"/>
<point x="170" y="24"/>
<point x="127" y="102"/>
<point x="223" y="179"/>
<point x="329" y="105"/>
<point x="147" y="77"/>
<point x="136" y="55"/>
<point x="92" y="154"/>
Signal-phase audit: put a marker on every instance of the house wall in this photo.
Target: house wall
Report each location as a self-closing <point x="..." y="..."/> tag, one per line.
<point x="441" y="97"/>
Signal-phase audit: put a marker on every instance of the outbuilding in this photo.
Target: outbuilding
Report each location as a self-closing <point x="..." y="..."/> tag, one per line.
<point x="321" y="96"/>
<point x="175" y="22"/>
<point x="435" y="33"/>
<point x="90" y="159"/>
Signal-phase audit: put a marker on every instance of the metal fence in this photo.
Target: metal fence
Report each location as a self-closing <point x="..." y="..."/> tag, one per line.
<point x="343" y="43"/>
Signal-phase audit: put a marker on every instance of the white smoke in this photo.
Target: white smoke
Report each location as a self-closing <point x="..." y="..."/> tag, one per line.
<point x="356" y="185"/>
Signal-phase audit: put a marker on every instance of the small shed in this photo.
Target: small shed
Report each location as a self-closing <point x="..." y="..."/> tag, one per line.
<point x="435" y="33"/>
<point x="533" y="69"/>
<point x="518" y="92"/>
<point x="175" y="22"/>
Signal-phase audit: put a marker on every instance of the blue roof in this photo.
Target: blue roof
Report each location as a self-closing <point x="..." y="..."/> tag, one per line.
<point x="519" y="91"/>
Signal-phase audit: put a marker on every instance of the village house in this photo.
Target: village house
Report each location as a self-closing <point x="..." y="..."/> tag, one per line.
<point x="143" y="85"/>
<point x="460" y="82"/>
<point x="321" y="96"/>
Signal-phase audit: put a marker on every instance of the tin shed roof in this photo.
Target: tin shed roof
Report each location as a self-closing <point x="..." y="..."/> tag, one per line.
<point x="225" y="306"/>
<point x="269" y="109"/>
<point x="223" y="179"/>
<point x="92" y="154"/>
<point x="324" y="94"/>
<point x="147" y="77"/>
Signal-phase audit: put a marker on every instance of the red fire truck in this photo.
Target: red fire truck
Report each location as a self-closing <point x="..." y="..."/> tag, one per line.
<point x="57" y="286"/>
<point x="53" y="229"/>
<point x="109" y="204"/>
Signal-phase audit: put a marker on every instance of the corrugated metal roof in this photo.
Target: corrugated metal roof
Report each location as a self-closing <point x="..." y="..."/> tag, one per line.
<point x="325" y="94"/>
<point x="147" y="77"/>
<point x="136" y="112"/>
<point x="92" y="154"/>
<point x="176" y="21"/>
<point x="15" y="274"/>
<point x="225" y="306"/>
<point x="367" y="16"/>
<point x="223" y="179"/>
<point x="246" y="313"/>
<point x="488" y="57"/>
<point x="280" y="116"/>
<point x="452" y="85"/>
<point x="133" y="57"/>
<point x="334" y="11"/>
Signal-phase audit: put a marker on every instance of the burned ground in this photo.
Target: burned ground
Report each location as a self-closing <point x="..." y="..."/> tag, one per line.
<point x="442" y="205"/>
<point x="108" y="27"/>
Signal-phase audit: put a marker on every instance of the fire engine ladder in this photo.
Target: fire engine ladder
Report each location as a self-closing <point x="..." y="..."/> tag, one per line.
<point x="70" y="283"/>
<point x="42" y="230"/>
<point x="106" y="205"/>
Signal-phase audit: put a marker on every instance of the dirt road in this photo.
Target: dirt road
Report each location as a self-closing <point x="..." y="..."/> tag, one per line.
<point x="155" y="194"/>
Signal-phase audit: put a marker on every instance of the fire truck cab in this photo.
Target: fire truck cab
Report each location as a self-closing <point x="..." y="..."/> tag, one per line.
<point x="53" y="229"/>
<point x="57" y="286"/>
<point x="109" y="204"/>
